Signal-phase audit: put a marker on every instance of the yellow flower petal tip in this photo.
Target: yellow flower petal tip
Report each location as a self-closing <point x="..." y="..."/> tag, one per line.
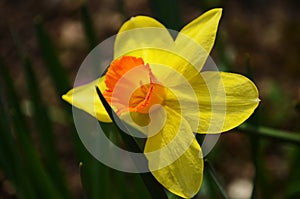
<point x="65" y="97"/>
<point x="85" y="97"/>
<point x="68" y="97"/>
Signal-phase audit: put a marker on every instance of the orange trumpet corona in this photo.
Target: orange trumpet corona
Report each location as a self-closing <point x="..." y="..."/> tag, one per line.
<point x="148" y="93"/>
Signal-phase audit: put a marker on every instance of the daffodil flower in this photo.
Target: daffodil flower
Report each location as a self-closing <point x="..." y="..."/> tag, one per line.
<point x="154" y="84"/>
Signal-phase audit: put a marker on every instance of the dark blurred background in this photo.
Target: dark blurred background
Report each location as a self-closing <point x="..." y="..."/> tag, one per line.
<point x="263" y="33"/>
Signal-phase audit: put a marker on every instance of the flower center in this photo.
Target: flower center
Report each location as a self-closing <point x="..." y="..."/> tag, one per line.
<point x="145" y="97"/>
<point x="131" y="86"/>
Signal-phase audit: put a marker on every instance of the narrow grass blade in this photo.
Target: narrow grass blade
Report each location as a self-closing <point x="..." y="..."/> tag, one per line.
<point x="8" y="153"/>
<point x="155" y="189"/>
<point x="96" y="180"/>
<point x="279" y="135"/>
<point x="167" y="11"/>
<point x="261" y="178"/>
<point x="42" y="120"/>
<point x="255" y="146"/>
<point x="255" y="143"/>
<point x="122" y="185"/>
<point x="88" y="25"/>
<point x="10" y="160"/>
<point x="131" y="144"/>
<point x="51" y="59"/>
<point x="140" y="188"/>
<point x="121" y="8"/>
<point x="57" y="74"/>
<point x="209" y="4"/>
<point x="213" y="175"/>
<point x="83" y="180"/>
<point x="297" y="107"/>
<point x="100" y="183"/>
<point x="225" y="63"/>
<point x="95" y="177"/>
<point x="121" y="180"/>
<point x="45" y="129"/>
<point x="32" y="163"/>
<point x="292" y="189"/>
<point x="59" y="78"/>
<point x="208" y="188"/>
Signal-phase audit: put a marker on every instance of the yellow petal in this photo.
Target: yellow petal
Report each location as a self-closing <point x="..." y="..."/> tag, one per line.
<point x="196" y="39"/>
<point x="241" y="99"/>
<point x="138" y="35"/>
<point x="85" y="98"/>
<point x="225" y="100"/>
<point x="202" y="30"/>
<point x="140" y="22"/>
<point x="175" y="157"/>
<point x="147" y="38"/>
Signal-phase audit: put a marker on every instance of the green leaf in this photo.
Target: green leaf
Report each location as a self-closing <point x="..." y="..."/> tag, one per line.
<point x="259" y="179"/>
<point x="222" y="51"/>
<point x="140" y="188"/>
<point x="297" y="107"/>
<point x="32" y="163"/>
<point x="42" y="121"/>
<point x="44" y="125"/>
<point x="10" y="160"/>
<point x="213" y="175"/>
<point x="279" y="135"/>
<point x="167" y="12"/>
<point x="208" y="188"/>
<point x="59" y="77"/>
<point x="97" y="186"/>
<point x="122" y="185"/>
<point x="51" y="59"/>
<point x="155" y="189"/>
<point x="88" y="25"/>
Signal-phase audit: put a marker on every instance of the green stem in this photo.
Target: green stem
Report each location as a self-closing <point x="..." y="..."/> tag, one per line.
<point x="284" y="136"/>
<point x="155" y="189"/>
<point x="88" y="25"/>
<point x="168" y="12"/>
<point x="212" y="173"/>
<point x="33" y="164"/>
<point x="51" y="58"/>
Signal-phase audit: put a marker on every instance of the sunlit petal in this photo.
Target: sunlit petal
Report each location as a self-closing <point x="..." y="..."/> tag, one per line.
<point x="225" y="100"/>
<point x="139" y="35"/>
<point x="197" y="38"/>
<point x="175" y="157"/>
<point x="147" y="38"/>
<point x="85" y="98"/>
